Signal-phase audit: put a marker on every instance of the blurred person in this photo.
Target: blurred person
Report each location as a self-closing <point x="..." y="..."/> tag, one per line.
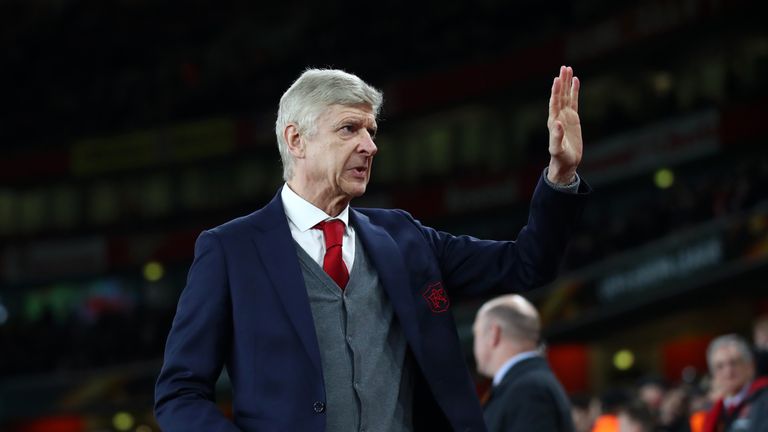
<point x="744" y="406"/>
<point x="636" y="417"/>
<point x="335" y="318"/>
<point x="611" y="401"/>
<point x="674" y="411"/>
<point x="701" y="400"/>
<point x="651" y="391"/>
<point x="525" y="394"/>
<point x="584" y="411"/>
<point x="760" y="339"/>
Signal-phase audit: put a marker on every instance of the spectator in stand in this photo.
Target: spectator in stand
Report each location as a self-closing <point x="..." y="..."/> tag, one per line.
<point x="744" y="408"/>
<point x="699" y="404"/>
<point x="584" y="411"/>
<point x="674" y="412"/>
<point x="636" y="417"/>
<point x="611" y="402"/>
<point x="651" y="392"/>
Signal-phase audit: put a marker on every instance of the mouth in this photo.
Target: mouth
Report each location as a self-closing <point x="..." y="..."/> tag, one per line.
<point x="359" y="171"/>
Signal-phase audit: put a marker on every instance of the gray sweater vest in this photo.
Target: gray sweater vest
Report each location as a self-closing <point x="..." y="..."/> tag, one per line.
<point x="368" y="388"/>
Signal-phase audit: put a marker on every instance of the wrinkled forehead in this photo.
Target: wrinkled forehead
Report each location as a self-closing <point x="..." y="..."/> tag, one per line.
<point x="336" y="112"/>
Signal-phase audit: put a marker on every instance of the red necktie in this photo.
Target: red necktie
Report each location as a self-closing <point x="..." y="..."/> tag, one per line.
<point x="333" y="264"/>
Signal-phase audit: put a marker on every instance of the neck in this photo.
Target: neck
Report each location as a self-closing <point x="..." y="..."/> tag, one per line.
<point x="741" y="389"/>
<point x="507" y="353"/>
<point x="332" y="204"/>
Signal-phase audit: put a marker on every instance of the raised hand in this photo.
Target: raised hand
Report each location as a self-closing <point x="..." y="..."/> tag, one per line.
<point x="565" y="144"/>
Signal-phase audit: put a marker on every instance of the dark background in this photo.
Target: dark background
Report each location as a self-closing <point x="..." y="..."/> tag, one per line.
<point x="127" y="127"/>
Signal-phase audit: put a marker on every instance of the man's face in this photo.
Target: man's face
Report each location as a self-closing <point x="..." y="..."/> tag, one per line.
<point x="481" y="346"/>
<point x="730" y="369"/>
<point x="340" y="153"/>
<point x="652" y="395"/>
<point x="582" y="419"/>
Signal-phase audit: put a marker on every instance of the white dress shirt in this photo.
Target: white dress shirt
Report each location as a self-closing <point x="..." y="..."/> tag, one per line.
<point x="302" y="216"/>
<point x="736" y="399"/>
<point x="499" y="375"/>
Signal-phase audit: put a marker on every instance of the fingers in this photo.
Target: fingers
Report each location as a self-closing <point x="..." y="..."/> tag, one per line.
<point x="565" y="91"/>
<point x="555" y="98"/>
<point x="575" y="94"/>
<point x="561" y="88"/>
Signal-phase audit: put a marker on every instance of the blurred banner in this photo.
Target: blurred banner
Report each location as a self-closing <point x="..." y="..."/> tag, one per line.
<point x="679" y="263"/>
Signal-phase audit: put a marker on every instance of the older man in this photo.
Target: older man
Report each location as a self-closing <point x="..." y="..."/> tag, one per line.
<point x="333" y="318"/>
<point x="525" y="395"/>
<point x="745" y="405"/>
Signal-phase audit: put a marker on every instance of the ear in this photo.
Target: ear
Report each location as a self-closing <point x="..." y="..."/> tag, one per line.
<point x="294" y="140"/>
<point x="495" y="334"/>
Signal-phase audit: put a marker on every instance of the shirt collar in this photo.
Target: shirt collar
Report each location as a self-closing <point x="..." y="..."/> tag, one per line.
<point x="305" y="215"/>
<point x="738" y="397"/>
<point x="515" y="359"/>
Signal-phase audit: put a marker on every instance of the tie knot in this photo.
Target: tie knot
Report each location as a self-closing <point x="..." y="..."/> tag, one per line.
<point x="333" y="231"/>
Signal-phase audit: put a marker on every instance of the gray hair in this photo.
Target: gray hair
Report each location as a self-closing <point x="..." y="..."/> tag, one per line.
<point x="516" y="316"/>
<point x="310" y="95"/>
<point x="730" y="339"/>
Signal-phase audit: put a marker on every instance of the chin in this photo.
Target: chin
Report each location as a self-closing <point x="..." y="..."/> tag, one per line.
<point x="357" y="192"/>
<point x="355" y="189"/>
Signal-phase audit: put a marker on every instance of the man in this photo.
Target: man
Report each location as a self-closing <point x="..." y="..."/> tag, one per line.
<point x="584" y="411"/>
<point x="525" y="395"/>
<point x="636" y="417"/>
<point x="674" y="413"/>
<point x="651" y="391"/>
<point x="745" y="405"/>
<point x="333" y="318"/>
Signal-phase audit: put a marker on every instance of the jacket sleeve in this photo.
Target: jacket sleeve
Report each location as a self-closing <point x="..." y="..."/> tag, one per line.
<point x="197" y="346"/>
<point x="470" y="266"/>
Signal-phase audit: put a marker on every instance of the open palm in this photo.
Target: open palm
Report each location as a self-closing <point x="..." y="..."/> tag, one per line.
<point x="565" y="143"/>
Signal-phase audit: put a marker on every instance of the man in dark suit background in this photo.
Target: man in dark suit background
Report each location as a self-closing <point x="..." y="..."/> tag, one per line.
<point x="525" y="394"/>
<point x="333" y="318"/>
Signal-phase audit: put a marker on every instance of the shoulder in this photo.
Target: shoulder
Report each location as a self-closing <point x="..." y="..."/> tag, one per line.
<point x="379" y="214"/>
<point x="234" y="227"/>
<point x="533" y="374"/>
<point x="394" y="221"/>
<point x="263" y="219"/>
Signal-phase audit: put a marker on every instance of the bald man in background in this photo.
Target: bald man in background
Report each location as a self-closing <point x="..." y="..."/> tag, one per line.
<point x="525" y="394"/>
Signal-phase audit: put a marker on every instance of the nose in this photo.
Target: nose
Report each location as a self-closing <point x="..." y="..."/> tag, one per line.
<point x="366" y="144"/>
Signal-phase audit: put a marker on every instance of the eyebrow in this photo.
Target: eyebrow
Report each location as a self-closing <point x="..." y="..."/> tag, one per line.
<point x="357" y="121"/>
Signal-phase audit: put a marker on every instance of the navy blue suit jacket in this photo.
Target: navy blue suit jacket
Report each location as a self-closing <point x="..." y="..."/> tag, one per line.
<point x="245" y="307"/>
<point x="529" y="398"/>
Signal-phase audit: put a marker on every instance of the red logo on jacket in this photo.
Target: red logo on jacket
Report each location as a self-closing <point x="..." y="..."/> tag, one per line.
<point x="436" y="297"/>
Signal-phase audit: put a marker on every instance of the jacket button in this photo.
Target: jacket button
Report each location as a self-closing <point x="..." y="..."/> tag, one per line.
<point x="319" y="407"/>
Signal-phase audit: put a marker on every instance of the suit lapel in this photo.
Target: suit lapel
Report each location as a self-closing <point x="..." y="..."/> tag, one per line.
<point x="393" y="273"/>
<point x="278" y="253"/>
